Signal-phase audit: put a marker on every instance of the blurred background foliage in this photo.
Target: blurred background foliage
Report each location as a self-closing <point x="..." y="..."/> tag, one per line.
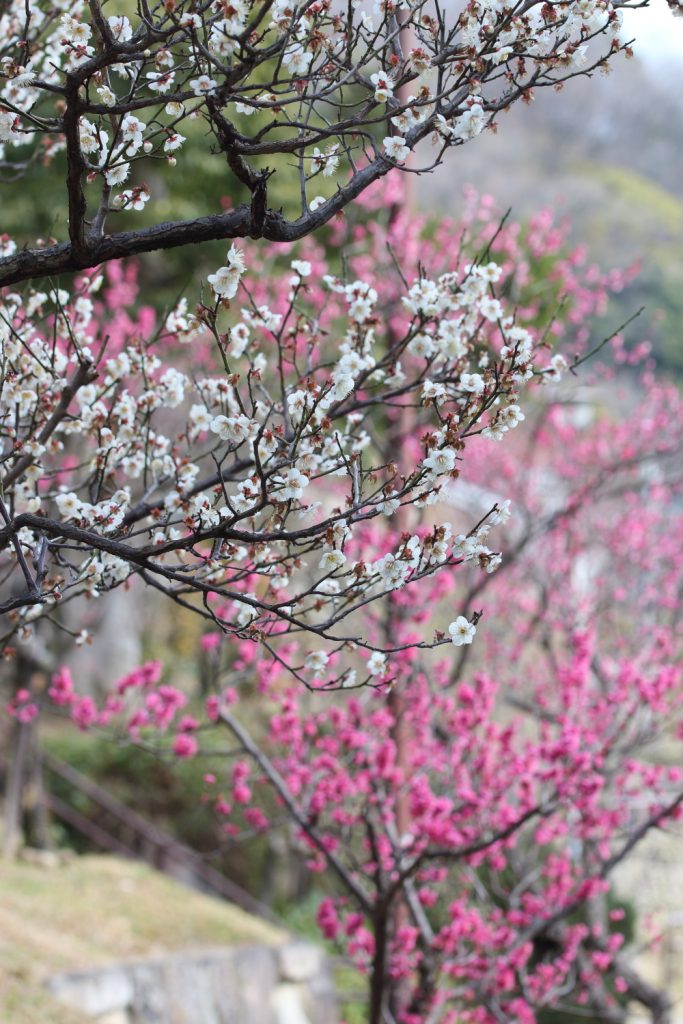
<point x="606" y="154"/>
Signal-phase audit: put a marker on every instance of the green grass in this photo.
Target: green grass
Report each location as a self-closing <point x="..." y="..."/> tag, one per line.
<point x="94" y="910"/>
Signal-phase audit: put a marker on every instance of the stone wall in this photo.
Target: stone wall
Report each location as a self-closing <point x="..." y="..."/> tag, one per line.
<point x="289" y="984"/>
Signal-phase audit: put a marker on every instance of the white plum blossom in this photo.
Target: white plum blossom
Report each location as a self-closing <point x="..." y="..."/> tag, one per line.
<point x="281" y="13"/>
<point x="120" y="28"/>
<point x="389" y="504"/>
<point x="510" y="416"/>
<point x="472" y="382"/>
<point x="441" y="460"/>
<point x="268" y="463"/>
<point x="420" y="60"/>
<point x="291" y="486"/>
<point x="384" y="87"/>
<point x="462" y="631"/>
<point x="557" y="368"/>
<point x="471" y="122"/>
<point x="337" y="536"/>
<point x="246" y="613"/>
<point x="262" y="317"/>
<point x="393" y="571"/>
<point x="248" y="493"/>
<point x="505" y="419"/>
<point x="317" y="661"/>
<point x="190" y="20"/>
<point x="410" y="118"/>
<point x="488" y="560"/>
<point x="491" y="272"/>
<point x="396" y="149"/>
<point x="160" y="81"/>
<point x="235" y="429"/>
<point x="465" y="546"/>
<point x="432" y="391"/>
<point x="117" y="175"/>
<point x="132" y="199"/>
<point x="69" y="505"/>
<point x="342" y="385"/>
<point x="73" y="31"/>
<point x="246" y="109"/>
<point x="220" y="42"/>
<point x="18" y="73"/>
<point x="451" y="339"/>
<point x="377" y="664"/>
<point x="173" y="384"/>
<point x="225" y="281"/>
<point x="297" y="405"/>
<point x="204" y="85"/>
<point x="361" y="298"/>
<point x="421" y="346"/>
<point x="92" y="139"/>
<point x="328" y="586"/>
<point x="106" y="95"/>
<point x="326" y="162"/>
<point x="297" y="60"/>
<point x="490" y="309"/>
<point x="501" y="514"/>
<point x="173" y="142"/>
<point x="200" y="419"/>
<point x="332" y="560"/>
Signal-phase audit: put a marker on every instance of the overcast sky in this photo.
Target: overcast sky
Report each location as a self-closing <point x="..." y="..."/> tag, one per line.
<point x="658" y="34"/>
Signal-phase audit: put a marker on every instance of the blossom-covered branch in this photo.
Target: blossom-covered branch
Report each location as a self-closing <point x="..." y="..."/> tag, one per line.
<point x="259" y="488"/>
<point x="333" y="89"/>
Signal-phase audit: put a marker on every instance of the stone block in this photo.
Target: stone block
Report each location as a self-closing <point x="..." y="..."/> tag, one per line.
<point x="287" y="1004"/>
<point x="115" y="1017"/>
<point x="291" y="984"/>
<point x="299" y="961"/>
<point x="95" y="992"/>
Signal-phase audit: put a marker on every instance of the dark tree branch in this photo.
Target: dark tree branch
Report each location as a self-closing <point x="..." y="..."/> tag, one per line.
<point x="298" y="815"/>
<point x="76" y="169"/>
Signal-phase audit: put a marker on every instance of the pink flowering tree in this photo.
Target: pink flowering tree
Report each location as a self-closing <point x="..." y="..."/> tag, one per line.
<point x="343" y="94"/>
<point x="466" y="835"/>
<point x="468" y="804"/>
<point x="468" y="832"/>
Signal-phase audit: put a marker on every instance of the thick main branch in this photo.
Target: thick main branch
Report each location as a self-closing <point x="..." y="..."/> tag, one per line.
<point x="241" y="222"/>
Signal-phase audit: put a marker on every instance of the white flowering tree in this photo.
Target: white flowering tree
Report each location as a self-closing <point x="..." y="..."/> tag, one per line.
<point x="241" y="455"/>
<point x="342" y="93"/>
<point x="278" y="459"/>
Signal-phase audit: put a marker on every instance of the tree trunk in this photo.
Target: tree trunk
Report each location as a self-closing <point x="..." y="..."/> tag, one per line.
<point x="378" y="972"/>
<point x="14" y="793"/>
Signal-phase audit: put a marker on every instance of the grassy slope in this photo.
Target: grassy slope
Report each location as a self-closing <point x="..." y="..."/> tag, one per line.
<point x="95" y="910"/>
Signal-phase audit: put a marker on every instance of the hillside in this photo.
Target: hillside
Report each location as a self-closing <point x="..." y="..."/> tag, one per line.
<point x="97" y="909"/>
